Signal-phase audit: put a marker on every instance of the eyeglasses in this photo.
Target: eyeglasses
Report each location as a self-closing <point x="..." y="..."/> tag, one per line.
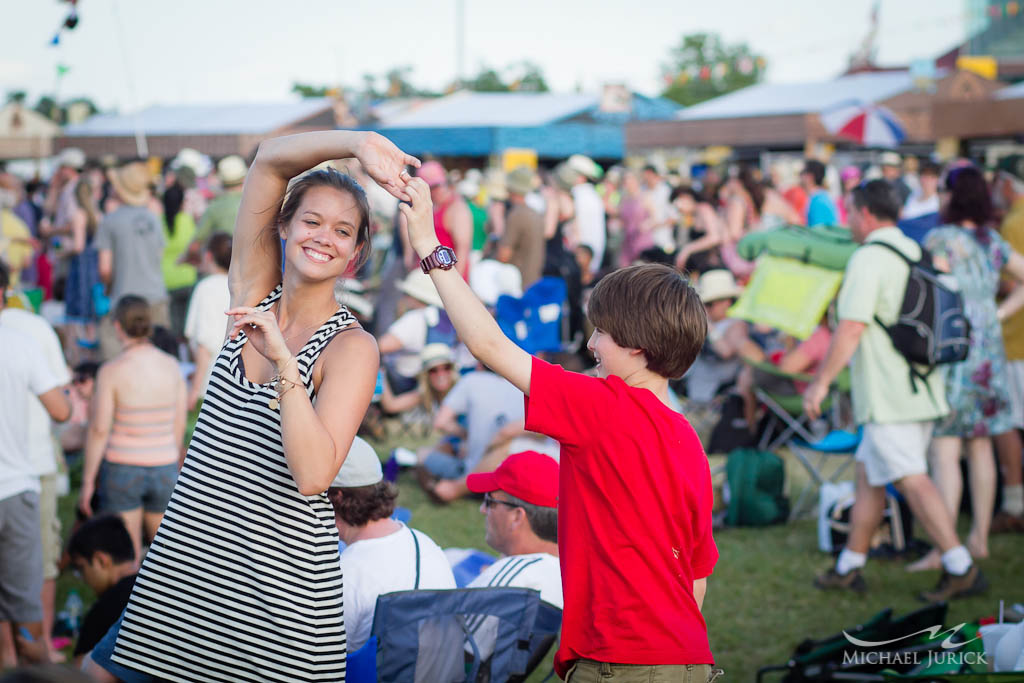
<point x="490" y="501"/>
<point x="440" y="368"/>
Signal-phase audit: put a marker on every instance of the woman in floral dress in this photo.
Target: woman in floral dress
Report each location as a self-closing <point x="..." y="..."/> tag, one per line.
<point x="976" y="388"/>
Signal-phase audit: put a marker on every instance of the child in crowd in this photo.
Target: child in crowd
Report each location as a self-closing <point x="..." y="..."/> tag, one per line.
<point x="635" y="497"/>
<point x="101" y="551"/>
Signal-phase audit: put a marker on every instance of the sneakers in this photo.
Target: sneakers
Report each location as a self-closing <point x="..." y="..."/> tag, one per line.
<point x="1005" y="523"/>
<point x="850" y="581"/>
<point x="950" y="586"/>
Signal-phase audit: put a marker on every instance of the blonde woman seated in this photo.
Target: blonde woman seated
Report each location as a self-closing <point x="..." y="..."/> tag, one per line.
<point x="436" y="378"/>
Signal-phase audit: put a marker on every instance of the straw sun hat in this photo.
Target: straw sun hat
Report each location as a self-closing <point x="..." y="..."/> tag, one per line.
<point x="131" y="182"/>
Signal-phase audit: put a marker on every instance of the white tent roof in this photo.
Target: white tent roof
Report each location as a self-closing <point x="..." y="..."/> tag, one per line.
<point x="471" y="109"/>
<point x="201" y="119"/>
<point x="774" y="99"/>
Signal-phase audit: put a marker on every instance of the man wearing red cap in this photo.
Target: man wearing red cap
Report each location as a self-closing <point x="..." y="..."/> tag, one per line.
<point x="453" y="221"/>
<point x="521" y="505"/>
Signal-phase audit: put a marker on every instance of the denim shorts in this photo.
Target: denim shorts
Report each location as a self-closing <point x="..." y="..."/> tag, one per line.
<point x="129" y="487"/>
<point x="103" y="655"/>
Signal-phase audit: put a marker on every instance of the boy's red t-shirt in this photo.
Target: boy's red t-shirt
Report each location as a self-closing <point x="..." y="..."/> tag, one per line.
<point x="634" y="520"/>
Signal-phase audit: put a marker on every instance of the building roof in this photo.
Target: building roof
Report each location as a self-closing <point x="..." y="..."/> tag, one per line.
<point x="776" y="99"/>
<point x="478" y="109"/>
<point x="1011" y="92"/>
<point x="202" y="119"/>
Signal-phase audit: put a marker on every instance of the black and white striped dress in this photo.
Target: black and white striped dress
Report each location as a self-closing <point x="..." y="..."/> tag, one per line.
<point x="242" y="582"/>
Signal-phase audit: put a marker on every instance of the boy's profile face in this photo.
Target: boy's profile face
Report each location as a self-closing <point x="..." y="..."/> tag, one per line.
<point x="611" y="358"/>
<point x="94" y="570"/>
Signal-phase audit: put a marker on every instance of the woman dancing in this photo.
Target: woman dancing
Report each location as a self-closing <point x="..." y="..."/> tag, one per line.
<point x="242" y="581"/>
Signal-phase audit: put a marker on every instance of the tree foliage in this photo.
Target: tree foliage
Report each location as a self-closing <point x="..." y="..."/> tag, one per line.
<point x="524" y="76"/>
<point x="701" y="67"/>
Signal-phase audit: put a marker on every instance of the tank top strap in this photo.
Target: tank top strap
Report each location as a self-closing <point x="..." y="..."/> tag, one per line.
<point x="306" y="358"/>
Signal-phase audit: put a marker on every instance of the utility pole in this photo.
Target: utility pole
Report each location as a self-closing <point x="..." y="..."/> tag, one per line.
<point x="460" y="41"/>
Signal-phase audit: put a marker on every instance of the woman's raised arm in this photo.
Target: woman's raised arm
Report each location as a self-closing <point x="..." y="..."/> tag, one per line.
<point x="256" y="251"/>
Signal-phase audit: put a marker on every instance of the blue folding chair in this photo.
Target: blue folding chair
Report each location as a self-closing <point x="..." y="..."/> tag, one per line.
<point x="537" y="321"/>
<point x="838" y="443"/>
<point x="423" y="635"/>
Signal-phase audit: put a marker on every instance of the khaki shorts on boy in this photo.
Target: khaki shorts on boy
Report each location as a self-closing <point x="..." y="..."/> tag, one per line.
<point x="892" y="451"/>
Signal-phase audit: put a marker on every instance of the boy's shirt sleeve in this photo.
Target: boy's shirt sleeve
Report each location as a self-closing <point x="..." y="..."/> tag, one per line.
<point x="567" y="406"/>
<point x="705" y="554"/>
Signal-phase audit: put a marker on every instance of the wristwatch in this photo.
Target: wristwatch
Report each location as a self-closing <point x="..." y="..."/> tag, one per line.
<point x="442" y="257"/>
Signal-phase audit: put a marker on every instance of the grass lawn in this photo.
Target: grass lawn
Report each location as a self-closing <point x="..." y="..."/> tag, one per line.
<point x="760" y="602"/>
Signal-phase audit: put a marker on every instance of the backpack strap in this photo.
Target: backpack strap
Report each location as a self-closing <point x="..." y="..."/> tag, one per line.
<point x="925" y="261"/>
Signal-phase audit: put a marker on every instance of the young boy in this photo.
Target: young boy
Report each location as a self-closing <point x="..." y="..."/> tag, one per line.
<point x="101" y="551"/>
<point x="634" y="511"/>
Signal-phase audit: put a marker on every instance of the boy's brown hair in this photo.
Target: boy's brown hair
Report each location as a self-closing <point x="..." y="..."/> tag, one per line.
<point x="653" y="308"/>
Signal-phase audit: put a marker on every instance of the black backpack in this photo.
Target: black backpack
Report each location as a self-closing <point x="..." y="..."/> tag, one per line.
<point x="932" y="328"/>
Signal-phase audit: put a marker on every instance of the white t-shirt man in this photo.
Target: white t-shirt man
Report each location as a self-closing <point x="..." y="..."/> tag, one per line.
<point x="375" y="566"/>
<point x="661" y="209"/>
<point x="205" y="323"/>
<point x="538" y="571"/>
<point x="590" y="221"/>
<point x="23" y="369"/>
<point x="40" y="427"/>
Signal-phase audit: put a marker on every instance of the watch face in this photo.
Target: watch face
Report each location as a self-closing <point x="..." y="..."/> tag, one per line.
<point x="444" y="257"/>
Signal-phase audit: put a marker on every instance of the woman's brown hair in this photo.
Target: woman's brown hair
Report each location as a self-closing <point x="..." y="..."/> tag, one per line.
<point x="132" y="313"/>
<point x="328" y="177"/>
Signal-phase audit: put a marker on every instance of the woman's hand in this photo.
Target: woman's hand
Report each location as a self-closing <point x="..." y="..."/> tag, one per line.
<point x="85" y="497"/>
<point x="385" y="163"/>
<point x="419" y="216"/>
<point x="263" y="333"/>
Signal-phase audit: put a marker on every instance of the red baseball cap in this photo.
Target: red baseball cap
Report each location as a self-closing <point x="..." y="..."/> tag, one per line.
<point x="529" y="476"/>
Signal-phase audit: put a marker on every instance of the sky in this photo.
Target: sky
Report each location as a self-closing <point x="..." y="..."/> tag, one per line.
<point x="128" y="54"/>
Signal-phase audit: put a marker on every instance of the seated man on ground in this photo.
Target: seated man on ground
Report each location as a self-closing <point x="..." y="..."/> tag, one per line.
<point x="101" y="552"/>
<point x="381" y="554"/>
<point x="521" y="506"/>
<point x="493" y="412"/>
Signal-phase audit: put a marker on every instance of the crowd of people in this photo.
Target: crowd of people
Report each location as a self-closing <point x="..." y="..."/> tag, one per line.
<point x="369" y="300"/>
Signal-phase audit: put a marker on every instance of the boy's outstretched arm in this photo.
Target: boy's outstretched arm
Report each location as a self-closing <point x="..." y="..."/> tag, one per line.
<point x="476" y="327"/>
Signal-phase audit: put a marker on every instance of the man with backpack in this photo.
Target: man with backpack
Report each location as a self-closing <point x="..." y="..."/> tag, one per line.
<point x="895" y="402"/>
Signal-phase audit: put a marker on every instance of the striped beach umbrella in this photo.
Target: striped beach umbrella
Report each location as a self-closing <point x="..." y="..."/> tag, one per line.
<point x="869" y="125"/>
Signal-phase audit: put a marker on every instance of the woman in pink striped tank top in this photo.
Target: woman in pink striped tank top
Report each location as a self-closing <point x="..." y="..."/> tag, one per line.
<point x="136" y="428"/>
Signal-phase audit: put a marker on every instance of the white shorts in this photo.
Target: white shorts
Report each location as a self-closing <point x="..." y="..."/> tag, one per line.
<point x="1015" y="384"/>
<point x="895" y="450"/>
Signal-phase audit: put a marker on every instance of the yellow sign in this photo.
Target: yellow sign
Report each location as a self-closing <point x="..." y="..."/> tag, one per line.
<point x="513" y="158"/>
<point x="986" y="67"/>
<point x="716" y="154"/>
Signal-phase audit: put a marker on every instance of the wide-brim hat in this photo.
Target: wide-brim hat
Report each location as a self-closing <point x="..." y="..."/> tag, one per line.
<point x="419" y="286"/>
<point x="231" y="170"/>
<point x="72" y="157"/>
<point x="566" y="176"/>
<point x="361" y="467"/>
<point x="718" y="284"/>
<point x="131" y="182"/>
<point x="529" y="476"/>
<point x="585" y="166"/>
<point x="436" y="354"/>
<point x="521" y="181"/>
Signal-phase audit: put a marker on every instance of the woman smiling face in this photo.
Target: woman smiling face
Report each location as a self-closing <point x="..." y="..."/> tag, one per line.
<point x="322" y="237"/>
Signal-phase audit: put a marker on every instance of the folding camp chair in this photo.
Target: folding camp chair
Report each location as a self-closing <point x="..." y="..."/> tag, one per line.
<point x="423" y="634"/>
<point x="815" y="453"/>
<point x="834" y="658"/>
<point x="786" y="418"/>
<point x="539" y="320"/>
